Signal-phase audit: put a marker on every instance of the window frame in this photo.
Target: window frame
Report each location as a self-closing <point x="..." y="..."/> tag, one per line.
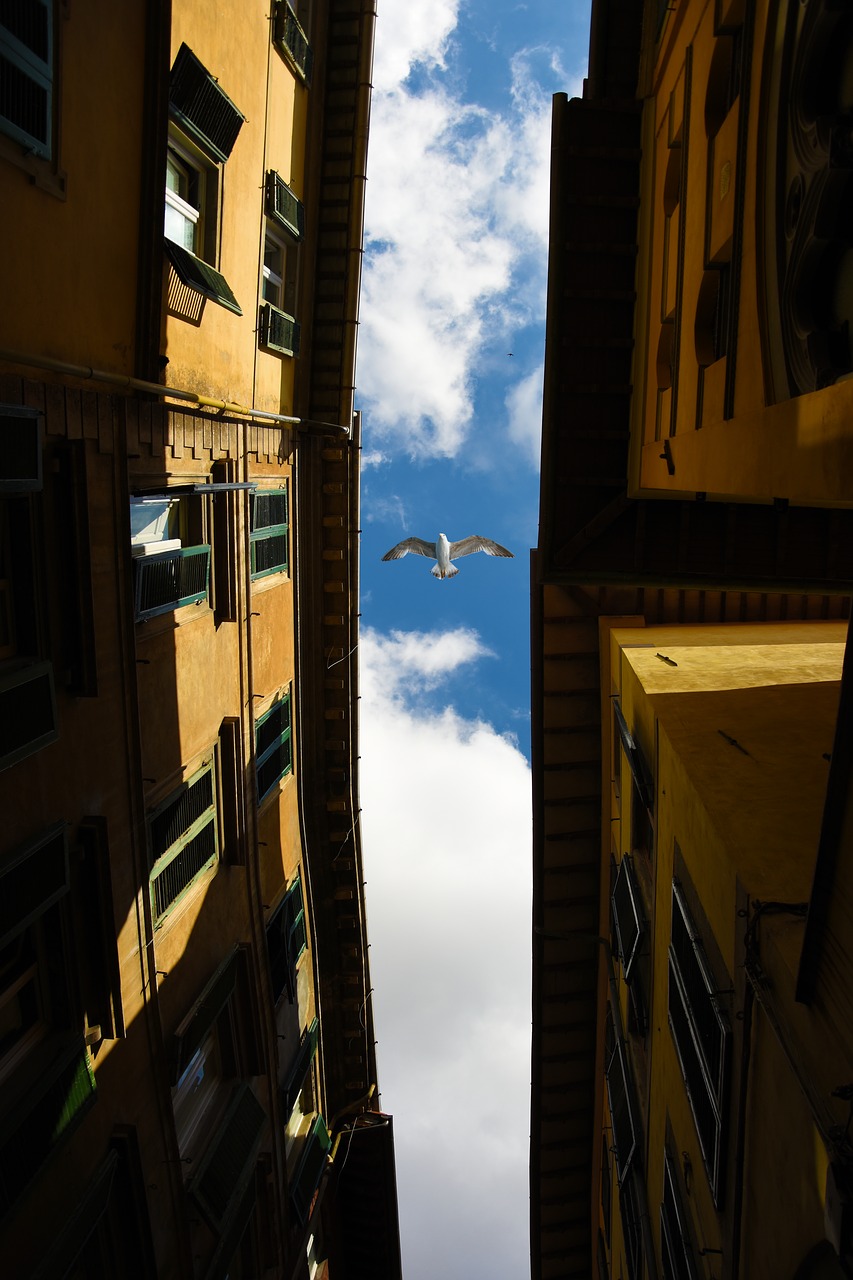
<point x="40" y="72"/>
<point x="208" y="817"/>
<point x="702" y="1081"/>
<point x="677" y="1257"/>
<point x="277" y="744"/>
<point x="622" y="1109"/>
<point x="629" y="898"/>
<point x="287" y="940"/>
<point x="266" y="533"/>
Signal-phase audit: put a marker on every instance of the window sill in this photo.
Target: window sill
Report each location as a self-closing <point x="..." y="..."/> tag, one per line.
<point x="44" y="174"/>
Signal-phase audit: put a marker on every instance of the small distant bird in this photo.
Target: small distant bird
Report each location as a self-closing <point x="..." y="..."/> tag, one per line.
<point x="443" y="551"/>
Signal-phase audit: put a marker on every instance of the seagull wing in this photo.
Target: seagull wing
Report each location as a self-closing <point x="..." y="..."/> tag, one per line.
<point x="467" y="546"/>
<point x="416" y="545"/>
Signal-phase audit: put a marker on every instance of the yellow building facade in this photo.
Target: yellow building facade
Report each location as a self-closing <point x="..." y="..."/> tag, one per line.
<point x="187" y="1035"/>
<point x="691" y="586"/>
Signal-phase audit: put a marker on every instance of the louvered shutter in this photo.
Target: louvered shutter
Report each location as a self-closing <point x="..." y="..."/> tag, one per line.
<point x="201" y="277"/>
<point x="32" y="880"/>
<point x="299" y="1070"/>
<point x="310" y="1169"/>
<point x="204" y="1013"/>
<point x="283" y="206"/>
<point x="202" y="109"/>
<point x="28" y="719"/>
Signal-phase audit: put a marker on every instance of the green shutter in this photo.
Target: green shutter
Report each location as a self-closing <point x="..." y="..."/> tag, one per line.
<point x="170" y="579"/>
<point x="228" y="1161"/>
<point x="298" y="1071"/>
<point x="277" y="331"/>
<point x="184" y="841"/>
<point x="293" y="42"/>
<point x="283" y="206"/>
<point x="26" y="73"/>
<point x="310" y="1169"/>
<point x="201" y="277"/>
<point x="268" y="537"/>
<point x="273" y="749"/>
<point x="202" y="109"/>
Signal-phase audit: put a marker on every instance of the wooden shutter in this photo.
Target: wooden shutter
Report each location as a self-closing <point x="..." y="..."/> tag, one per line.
<point x="310" y="1169"/>
<point x="296" y="1076"/>
<point x="201" y="277"/>
<point x="283" y="206"/>
<point x="277" y="331"/>
<point x="202" y="109"/>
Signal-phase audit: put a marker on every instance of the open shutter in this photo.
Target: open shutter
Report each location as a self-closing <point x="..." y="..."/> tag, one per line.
<point x="627" y="915"/>
<point x="619" y="1095"/>
<point x="293" y="42"/>
<point x="202" y="109"/>
<point x="299" y="1070"/>
<point x="277" y="331"/>
<point x="283" y="206"/>
<point x="310" y="1169"/>
<point x="201" y="277"/>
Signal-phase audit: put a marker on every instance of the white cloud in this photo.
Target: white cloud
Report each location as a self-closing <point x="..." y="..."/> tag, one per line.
<point x="390" y="508"/>
<point x="524" y="406"/>
<point x="409" y="35"/>
<point x="373" y="458"/>
<point x="456" y="237"/>
<point x="447" y="846"/>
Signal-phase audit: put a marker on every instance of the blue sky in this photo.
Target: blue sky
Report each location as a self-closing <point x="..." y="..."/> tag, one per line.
<point x="450" y="384"/>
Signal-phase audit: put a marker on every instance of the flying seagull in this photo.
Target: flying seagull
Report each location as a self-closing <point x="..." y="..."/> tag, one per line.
<point x="444" y="551"/>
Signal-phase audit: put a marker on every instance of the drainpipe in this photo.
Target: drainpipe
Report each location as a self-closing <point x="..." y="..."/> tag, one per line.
<point x="127" y="383"/>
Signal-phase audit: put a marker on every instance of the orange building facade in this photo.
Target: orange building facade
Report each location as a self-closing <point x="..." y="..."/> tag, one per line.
<point x="187" y="1071"/>
<point x="691" y="932"/>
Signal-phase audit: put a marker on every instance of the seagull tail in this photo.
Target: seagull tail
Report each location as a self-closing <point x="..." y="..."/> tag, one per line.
<point x="450" y="572"/>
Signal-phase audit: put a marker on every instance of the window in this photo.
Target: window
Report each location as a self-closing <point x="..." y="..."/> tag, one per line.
<point x="298" y="1091"/>
<point x="630" y="1212"/>
<point x="642" y="790"/>
<point x="292" y="42"/>
<point x="620" y="1096"/>
<point x="273" y="747"/>
<point x="268" y="532"/>
<point x="676" y="1249"/>
<point x="204" y="129"/>
<point x="273" y="271"/>
<point x="46" y="1073"/>
<point x="286" y="940"/>
<point x="627" y="915"/>
<point x="50" y="1100"/>
<point x="218" y="1119"/>
<point x="171" y="557"/>
<point x="34" y="993"/>
<point x="309" y="1170"/>
<point x="26" y="74"/>
<point x="183" y="840"/>
<point x="28" y="719"/>
<point x="701" y="1034"/>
